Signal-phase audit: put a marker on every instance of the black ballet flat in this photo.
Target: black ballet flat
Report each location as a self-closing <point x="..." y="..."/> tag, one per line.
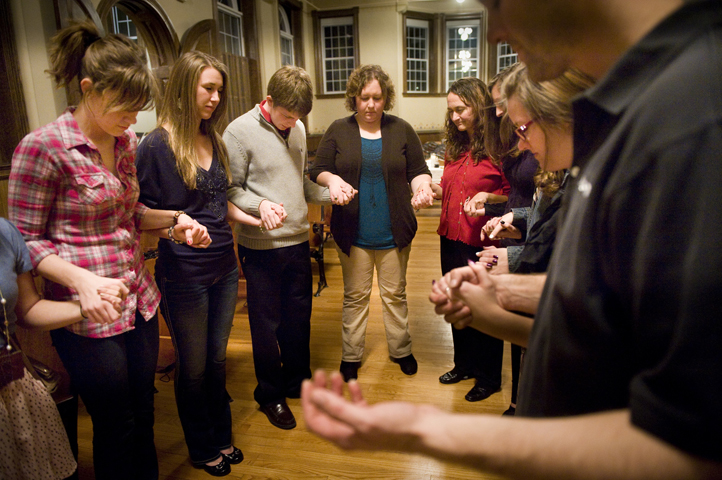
<point x="235" y="457"/>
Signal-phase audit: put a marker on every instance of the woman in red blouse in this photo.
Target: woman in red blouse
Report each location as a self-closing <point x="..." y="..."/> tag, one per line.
<point x="471" y="123"/>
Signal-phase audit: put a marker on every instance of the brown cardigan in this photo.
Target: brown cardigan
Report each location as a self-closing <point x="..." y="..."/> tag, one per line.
<point x="402" y="159"/>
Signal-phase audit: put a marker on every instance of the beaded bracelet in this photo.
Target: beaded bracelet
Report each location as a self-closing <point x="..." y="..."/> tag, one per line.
<point x="172" y="238"/>
<point x="176" y="215"/>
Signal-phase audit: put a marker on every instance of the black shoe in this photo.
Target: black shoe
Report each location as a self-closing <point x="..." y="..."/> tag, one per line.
<point x="279" y="415"/>
<point x="408" y="364"/>
<point x="349" y="370"/>
<point x="509" y="411"/>
<point x="221" y="469"/>
<point x="235" y="457"/>
<point x="454" y="376"/>
<point x="479" y="393"/>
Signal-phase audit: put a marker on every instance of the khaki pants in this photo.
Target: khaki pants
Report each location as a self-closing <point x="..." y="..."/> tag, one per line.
<point x="358" y="271"/>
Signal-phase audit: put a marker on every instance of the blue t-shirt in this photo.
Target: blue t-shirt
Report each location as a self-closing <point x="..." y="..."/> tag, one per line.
<point x="14" y="260"/>
<point x="374" y="230"/>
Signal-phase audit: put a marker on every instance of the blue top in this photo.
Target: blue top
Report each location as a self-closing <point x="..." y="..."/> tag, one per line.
<point x="161" y="187"/>
<point x="374" y="230"/>
<point x="14" y="261"/>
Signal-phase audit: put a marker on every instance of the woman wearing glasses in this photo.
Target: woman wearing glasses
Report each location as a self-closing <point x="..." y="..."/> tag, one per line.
<point x="542" y="114"/>
<point x="471" y="126"/>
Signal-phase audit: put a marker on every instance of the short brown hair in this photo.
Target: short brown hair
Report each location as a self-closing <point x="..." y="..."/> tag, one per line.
<point x="290" y="88"/>
<point x="364" y="75"/>
<point x="113" y="63"/>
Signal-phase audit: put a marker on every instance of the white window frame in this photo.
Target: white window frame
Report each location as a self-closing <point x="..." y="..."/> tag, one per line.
<point x="117" y="21"/>
<point x="339" y="75"/>
<point x="286" y="37"/>
<point x="229" y="42"/>
<point x="423" y="62"/>
<point x="505" y="56"/>
<point x="451" y="54"/>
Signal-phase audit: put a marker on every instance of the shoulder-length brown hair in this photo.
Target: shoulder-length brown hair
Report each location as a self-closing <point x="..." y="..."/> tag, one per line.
<point x="179" y="112"/>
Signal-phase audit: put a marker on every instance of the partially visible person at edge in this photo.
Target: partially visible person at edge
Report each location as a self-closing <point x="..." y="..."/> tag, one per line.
<point x="268" y="158"/>
<point x="183" y="166"/>
<point x="623" y="371"/>
<point x="519" y="169"/>
<point x="471" y="125"/>
<point x="73" y="194"/>
<point x="32" y="436"/>
<point x="381" y="157"/>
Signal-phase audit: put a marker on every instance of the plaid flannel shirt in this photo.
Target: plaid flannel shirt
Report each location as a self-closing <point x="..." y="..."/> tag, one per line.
<point x="65" y="202"/>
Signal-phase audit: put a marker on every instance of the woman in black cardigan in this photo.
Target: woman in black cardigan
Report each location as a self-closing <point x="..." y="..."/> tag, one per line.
<point x="381" y="157"/>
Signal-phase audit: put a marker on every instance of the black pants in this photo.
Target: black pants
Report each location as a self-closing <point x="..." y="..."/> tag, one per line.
<point x="279" y="287"/>
<point x="476" y="354"/>
<point x="115" y="378"/>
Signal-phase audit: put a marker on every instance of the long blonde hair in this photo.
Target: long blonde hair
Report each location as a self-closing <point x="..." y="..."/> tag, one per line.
<point x="179" y="112"/>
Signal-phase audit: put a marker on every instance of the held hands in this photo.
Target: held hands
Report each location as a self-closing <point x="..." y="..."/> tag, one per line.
<point x="471" y="298"/>
<point x="500" y="227"/>
<point x="192" y="233"/>
<point x="424" y="196"/>
<point x="494" y="259"/>
<point x="354" y="424"/>
<point x="101" y="298"/>
<point x="476" y="206"/>
<point x="341" y="192"/>
<point x="272" y="215"/>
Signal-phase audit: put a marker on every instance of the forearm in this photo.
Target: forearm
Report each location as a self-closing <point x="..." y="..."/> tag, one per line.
<point x="419" y="180"/>
<point x="156" y="219"/>
<point x="60" y="271"/>
<point x="603" y="445"/>
<point x="519" y="292"/>
<point x="494" y="198"/>
<point x="34" y="312"/>
<point x="237" y="215"/>
<point x="325" y="178"/>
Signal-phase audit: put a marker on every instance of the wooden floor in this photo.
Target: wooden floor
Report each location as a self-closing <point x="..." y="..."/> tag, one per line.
<point x="271" y="453"/>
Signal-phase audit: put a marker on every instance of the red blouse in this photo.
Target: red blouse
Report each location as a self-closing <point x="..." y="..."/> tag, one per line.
<point x="460" y="182"/>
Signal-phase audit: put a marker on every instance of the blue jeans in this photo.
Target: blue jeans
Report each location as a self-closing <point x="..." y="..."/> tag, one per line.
<point x="200" y="317"/>
<point x="280" y="291"/>
<point x="115" y="378"/>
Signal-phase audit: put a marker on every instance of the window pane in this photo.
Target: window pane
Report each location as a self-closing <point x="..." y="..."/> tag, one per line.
<point x="338" y="52"/>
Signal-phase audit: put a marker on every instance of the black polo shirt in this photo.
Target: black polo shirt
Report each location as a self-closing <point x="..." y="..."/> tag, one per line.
<point x="631" y="314"/>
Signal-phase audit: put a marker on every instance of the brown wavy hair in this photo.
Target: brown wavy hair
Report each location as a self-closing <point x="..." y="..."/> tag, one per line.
<point x="364" y="75"/>
<point x="114" y="63"/>
<point x="475" y="94"/>
<point x="179" y="112"/>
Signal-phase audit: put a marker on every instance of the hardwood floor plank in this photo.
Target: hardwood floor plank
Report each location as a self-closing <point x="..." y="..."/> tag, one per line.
<point x="271" y="453"/>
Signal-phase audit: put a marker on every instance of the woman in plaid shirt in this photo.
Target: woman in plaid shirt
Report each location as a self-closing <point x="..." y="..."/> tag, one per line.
<point x="73" y="194"/>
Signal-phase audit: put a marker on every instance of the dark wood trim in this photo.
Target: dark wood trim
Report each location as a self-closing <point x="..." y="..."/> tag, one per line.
<point x="318" y="48"/>
<point x="420" y="95"/>
<point x="12" y="100"/>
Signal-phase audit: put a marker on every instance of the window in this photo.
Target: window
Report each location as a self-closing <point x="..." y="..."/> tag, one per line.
<point x="123" y="25"/>
<point x="505" y="56"/>
<point x="462" y="50"/>
<point x="230" y="27"/>
<point x="286" y="37"/>
<point x="336" y="47"/>
<point x="417" y="55"/>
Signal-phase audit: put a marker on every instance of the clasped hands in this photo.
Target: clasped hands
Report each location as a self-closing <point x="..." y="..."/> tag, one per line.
<point x="424" y="196"/>
<point x="500" y="227"/>
<point x="341" y="192"/>
<point x="193" y="233"/>
<point x="272" y="214"/>
<point x="101" y="298"/>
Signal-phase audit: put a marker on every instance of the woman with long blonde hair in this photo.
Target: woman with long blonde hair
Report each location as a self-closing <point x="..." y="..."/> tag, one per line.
<point x="183" y="165"/>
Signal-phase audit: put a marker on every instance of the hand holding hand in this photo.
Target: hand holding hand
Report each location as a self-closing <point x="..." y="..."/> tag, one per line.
<point x="341" y="192"/>
<point x="475" y="207"/>
<point x="100" y="297"/>
<point x="494" y="259"/>
<point x="194" y="234"/>
<point x="272" y="214"/>
<point x="424" y="196"/>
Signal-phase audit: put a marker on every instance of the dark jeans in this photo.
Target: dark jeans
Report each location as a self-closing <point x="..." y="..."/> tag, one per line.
<point x="200" y="317"/>
<point x="279" y="287"/>
<point x="115" y="378"/>
<point x="476" y="354"/>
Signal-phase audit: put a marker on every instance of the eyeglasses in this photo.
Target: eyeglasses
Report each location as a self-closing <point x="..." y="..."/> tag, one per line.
<point x="521" y="131"/>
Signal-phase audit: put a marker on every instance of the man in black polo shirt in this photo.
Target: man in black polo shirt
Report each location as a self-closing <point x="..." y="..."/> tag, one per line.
<point x="626" y="341"/>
